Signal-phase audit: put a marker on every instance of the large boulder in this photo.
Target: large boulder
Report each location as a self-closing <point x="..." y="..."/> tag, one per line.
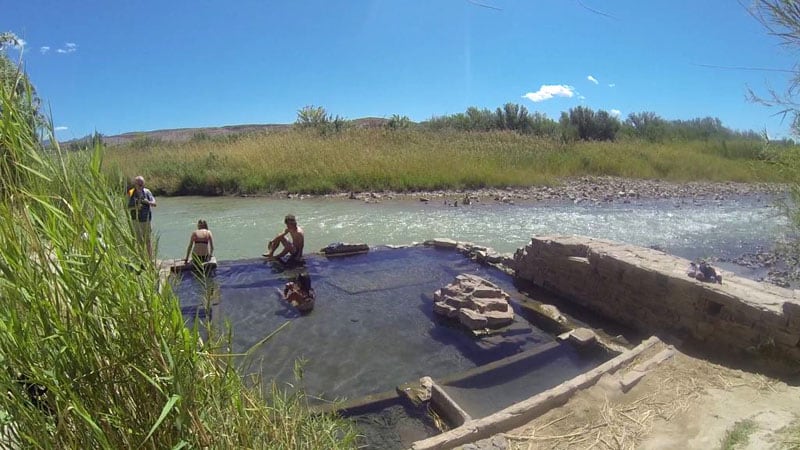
<point x="475" y="302"/>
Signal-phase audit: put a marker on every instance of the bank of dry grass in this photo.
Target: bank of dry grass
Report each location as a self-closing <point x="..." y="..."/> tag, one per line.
<point x="411" y="160"/>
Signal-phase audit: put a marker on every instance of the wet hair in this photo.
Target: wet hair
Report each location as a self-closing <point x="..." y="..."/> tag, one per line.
<point x="304" y="281"/>
<point x="201" y="224"/>
<point x="289" y="219"/>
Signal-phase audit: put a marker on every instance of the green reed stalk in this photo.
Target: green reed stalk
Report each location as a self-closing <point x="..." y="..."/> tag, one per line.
<point x="96" y="355"/>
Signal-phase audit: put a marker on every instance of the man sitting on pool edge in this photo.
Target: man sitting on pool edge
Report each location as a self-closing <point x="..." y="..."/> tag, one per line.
<point x="293" y="247"/>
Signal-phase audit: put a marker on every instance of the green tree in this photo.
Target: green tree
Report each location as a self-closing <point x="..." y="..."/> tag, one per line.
<point x="311" y="116"/>
<point x="317" y="117"/>
<point x="513" y="117"/>
<point x="398" y="122"/>
<point x="479" y="119"/>
<point x="587" y="125"/>
<point x="15" y="81"/>
<point x="781" y="18"/>
<point x="605" y="126"/>
<point x="541" y="125"/>
<point x="569" y="131"/>
<point x="648" y="126"/>
<point x="19" y="117"/>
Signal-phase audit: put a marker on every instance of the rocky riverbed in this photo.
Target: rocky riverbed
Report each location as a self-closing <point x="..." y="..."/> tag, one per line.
<point x="583" y="189"/>
<point x="780" y="265"/>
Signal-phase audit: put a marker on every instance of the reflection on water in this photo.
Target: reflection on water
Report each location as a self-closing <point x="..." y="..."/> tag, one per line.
<point x="241" y="226"/>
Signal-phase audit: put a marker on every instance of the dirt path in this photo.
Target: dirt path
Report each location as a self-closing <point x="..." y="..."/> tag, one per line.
<point x="683" y="403"/>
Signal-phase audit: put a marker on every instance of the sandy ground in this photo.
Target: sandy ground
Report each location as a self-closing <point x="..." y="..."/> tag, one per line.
<point x="682" y="403"/>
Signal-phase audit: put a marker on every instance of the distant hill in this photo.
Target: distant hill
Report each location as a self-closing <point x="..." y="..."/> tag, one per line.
<point x="186" y="134"/>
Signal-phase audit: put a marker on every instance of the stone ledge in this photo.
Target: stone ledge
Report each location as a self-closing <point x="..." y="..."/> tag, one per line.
<point x="649" y="290"/>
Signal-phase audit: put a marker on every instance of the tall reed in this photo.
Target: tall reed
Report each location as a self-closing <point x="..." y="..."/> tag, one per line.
<point x="96" y="355"/>
<point x="408" y="160"/>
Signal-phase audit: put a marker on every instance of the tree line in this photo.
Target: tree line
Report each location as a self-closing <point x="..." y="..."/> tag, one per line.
<point x="579" y="123"/>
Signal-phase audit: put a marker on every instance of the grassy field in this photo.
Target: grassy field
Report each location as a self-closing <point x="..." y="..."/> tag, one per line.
<point x="305" y="161"/>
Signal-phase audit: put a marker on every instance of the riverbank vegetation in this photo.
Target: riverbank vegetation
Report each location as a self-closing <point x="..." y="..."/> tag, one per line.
<point x="476" y="149"/>
<point x="781" y="18"/>
<point x="95" y="350"/>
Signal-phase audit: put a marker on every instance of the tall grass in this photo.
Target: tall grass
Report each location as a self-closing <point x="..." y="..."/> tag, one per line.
<point x="405" y="159"/>
<point x="96" y="355"/>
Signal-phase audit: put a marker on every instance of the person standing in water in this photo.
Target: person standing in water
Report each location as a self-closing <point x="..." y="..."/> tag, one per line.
<point x="292" y="247"/>
<point x="140" y="203"/>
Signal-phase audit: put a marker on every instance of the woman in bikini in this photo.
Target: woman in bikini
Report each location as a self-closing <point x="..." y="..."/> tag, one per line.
<point x="201" y="244"/>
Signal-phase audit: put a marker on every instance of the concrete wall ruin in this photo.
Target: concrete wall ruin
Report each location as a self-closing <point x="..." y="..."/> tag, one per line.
<point x="649" y="290"/>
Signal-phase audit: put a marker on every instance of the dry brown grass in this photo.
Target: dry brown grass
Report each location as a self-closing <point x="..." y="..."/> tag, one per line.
<point x="604" y="418"/>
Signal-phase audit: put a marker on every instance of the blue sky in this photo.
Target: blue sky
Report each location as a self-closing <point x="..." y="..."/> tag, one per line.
<point x="115" y="67"/>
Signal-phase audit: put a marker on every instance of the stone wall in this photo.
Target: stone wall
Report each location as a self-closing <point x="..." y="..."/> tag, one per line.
<point x="649" y="290"/>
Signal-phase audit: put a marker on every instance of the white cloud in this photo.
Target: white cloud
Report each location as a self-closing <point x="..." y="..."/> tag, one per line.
<point x="592" y="79"/>
<point x="548" y="91"/>
<point x="69" y="47"/>
<point x="61" y="128"/>
<point x="616" y="112"/>
<point x="44" y="49"/>
<point x="612" y="85"/>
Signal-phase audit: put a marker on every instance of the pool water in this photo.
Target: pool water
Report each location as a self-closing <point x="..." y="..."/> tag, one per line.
<point x="372" y="327"/>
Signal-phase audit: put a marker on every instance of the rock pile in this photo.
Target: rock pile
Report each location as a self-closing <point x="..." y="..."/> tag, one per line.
<point x="475" y="302"/>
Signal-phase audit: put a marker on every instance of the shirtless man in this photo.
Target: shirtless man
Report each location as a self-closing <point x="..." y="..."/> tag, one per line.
<point x="293" y="247"/>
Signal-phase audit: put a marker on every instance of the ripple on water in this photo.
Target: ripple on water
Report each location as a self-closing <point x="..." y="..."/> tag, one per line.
<point x="241" y="226"/>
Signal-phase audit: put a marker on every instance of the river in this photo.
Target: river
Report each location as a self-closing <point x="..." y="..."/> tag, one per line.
<point x="691" y="229"/>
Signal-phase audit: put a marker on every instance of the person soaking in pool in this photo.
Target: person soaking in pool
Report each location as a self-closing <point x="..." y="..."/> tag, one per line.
<point x="201" y="244"/>
<point x="299" y="293"/>
<point x="293" y="247"/>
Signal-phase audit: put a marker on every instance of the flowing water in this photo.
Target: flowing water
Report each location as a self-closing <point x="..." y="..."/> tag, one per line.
<point x="241" y="226"/>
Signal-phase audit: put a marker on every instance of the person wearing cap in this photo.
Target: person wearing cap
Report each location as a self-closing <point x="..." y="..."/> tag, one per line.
<point x="292" y="247"/>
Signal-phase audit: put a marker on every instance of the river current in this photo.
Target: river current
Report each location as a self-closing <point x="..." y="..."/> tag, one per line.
<point x="691" y="229"/>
